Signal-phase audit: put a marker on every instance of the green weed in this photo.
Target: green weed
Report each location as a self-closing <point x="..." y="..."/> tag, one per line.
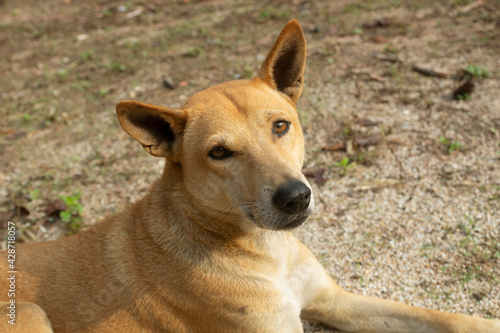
<point x="389" y="48"/>
<point x="34" y="194"/>
<point x="115" y="66"/>
<point x="86" y="55"/>
<point x="450" y="146"/>
<point x="248" y="72"/>
<point x="344" y="164"/>
<point x="464" y="97"/>
<point x="194" y="51"/>
<point x="72" y="213"/>
<point x="107" y="12"/>
<point x="476" y="71"/>
<point x="26" y="118"/>
<point x="62" y="72"/>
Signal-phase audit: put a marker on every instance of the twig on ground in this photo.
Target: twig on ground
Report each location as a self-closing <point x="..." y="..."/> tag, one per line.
<point x="431" y="71"/>
<point x="375" y="77"/>
<point x="335" y="147"/>
<point x="471" y="6"/>
<point x="368" y="140"/>
<point x="366" y="122"/>
<point x="387" y="57"/>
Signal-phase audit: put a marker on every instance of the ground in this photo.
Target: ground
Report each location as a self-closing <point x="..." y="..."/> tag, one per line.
<point x="406" y="175"/>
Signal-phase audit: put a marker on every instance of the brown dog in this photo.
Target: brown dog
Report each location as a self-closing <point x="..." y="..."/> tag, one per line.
<point x="209" y="248"/>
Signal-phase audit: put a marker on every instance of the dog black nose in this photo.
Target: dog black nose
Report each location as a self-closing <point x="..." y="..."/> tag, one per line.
<point x="292" y="197"/>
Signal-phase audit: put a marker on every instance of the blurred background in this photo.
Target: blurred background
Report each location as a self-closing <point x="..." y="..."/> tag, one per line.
<point x="400" y="110"/>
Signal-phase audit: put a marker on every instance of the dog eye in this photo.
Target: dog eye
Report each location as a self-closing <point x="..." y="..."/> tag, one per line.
<point x="281" y="127"/>
<point x="220" y="153"/>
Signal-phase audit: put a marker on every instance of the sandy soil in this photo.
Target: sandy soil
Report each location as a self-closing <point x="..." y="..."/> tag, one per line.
<point x="412" y="215"/>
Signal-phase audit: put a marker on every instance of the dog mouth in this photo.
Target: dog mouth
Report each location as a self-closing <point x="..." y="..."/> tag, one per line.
<point x="277" y="223"/>
<point x="295" y="223"/>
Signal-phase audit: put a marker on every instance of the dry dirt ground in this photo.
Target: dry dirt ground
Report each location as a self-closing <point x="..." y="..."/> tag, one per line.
<point x="408" y="187"/>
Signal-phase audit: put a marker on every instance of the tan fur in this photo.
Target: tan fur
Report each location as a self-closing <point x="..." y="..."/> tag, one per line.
<point x="29" y="318"/>
<point x="205" y="250"/>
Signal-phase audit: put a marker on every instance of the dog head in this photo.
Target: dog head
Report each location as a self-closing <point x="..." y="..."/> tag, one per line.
<point x="239" y="145"/>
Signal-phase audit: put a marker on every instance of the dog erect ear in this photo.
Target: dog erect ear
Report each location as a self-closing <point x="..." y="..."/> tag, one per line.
<point x="284" y="66"/>
<point x="158" y="129"/>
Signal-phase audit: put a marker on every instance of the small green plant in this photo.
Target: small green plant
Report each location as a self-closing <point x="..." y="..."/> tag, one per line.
<point x="344" y="164"/>
<point x="115" y="66"/>
<point x="72" y="213"/>
<point x="324" y="257"/>
<point x="389" y="48"/>
<point x="327" y="52"/>
<point x="393" y="72"/>
<point x="107" y="12"/>
<point x="86" y="55"/>
<point x="476" y="71"/>
<point x="450" y="146"/>
<point x="454" y="146"/>
<point x="62" y="72"/>
<point x="248" y="72"/>
<point x="464" y="97"/>
<point x="194" y="51"/>
<point x="26" y="118"/>
<point x="357" y="31"/>
<point x="347" y="132"/>
<point x="34" y="194"/>
<point x="265" y="13"/>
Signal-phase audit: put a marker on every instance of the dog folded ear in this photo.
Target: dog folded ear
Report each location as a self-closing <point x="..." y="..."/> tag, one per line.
<point x="158" y="129"/>
<point x="284" y="66"/>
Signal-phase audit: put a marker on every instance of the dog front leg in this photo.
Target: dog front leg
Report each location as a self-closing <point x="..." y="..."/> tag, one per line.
<point x="337" y="308"/>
